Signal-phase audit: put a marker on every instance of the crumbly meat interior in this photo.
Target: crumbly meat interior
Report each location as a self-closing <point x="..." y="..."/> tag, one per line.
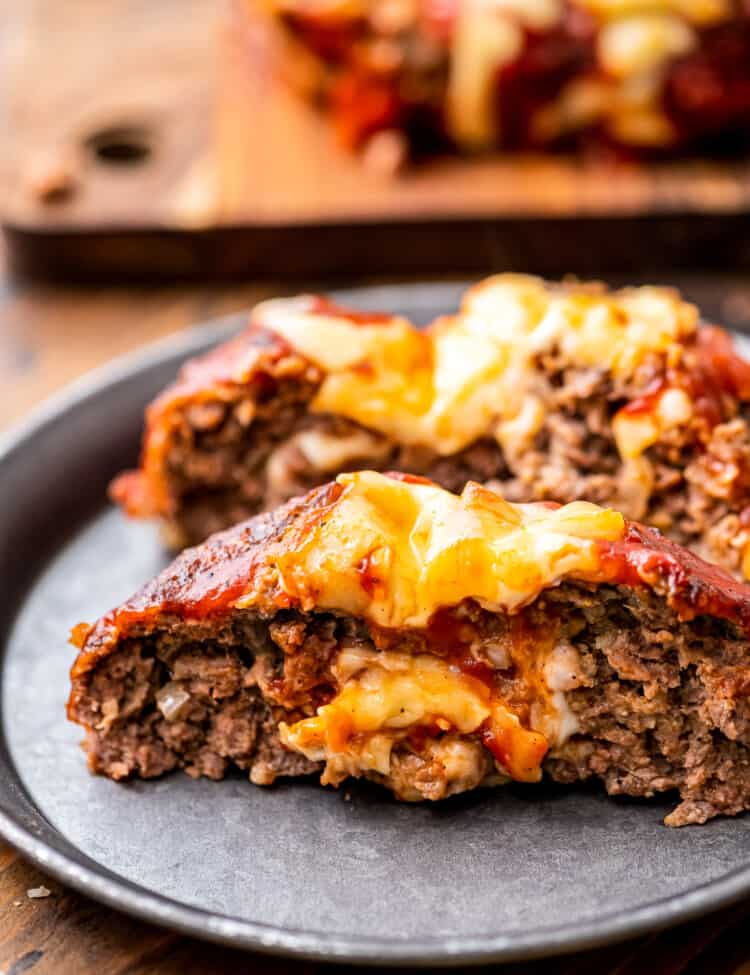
<point x="230" y="460"/>
<point x="660" y="704"/>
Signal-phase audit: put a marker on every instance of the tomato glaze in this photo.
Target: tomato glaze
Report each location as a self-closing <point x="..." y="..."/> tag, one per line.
<point x="693" y="587"/>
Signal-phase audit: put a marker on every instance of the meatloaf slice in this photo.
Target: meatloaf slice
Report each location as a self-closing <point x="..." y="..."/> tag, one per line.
<point x="411" y="77"/>
<point x="552" y="392"/>
<point x="383" y="627"/>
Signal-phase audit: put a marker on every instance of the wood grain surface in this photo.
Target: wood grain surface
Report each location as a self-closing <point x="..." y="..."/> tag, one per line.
<point x="155" y="138"/>
<point x="49" y="335"/>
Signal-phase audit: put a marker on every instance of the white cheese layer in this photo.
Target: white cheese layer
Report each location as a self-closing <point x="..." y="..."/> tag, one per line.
<point x="394" y="694"/>
<point x="476" y="374"/>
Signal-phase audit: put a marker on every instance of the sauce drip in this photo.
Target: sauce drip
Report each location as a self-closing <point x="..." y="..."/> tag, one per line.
<point x="368" y="575"/>
<point x="647" y="402"/>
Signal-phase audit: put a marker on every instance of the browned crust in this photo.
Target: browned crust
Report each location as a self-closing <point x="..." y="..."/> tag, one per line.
<point x="204" y="581"/>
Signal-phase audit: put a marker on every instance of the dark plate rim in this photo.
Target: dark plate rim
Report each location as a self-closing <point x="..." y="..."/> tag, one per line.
<point x="88" y="877"/>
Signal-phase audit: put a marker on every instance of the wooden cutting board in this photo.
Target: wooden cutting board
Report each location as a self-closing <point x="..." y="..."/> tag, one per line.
<point x="153" y="139"/>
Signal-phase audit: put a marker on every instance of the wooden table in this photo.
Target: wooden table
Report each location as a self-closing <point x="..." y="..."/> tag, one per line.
<point x="152" y="138"/>
<point x="47" y="337"/>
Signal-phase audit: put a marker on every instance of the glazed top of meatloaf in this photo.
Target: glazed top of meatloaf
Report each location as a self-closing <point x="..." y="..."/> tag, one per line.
<point x="395" y="549"/>
<point x="474" y="374"/>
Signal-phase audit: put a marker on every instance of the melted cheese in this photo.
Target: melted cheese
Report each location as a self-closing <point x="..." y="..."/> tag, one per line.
<point x="488" y="35"/>
<point x="396" y="552"/>
<point x="475" y="374"/>
<point x="423" y="691"/>
<point x="643" y="43"/>
<point x="382" y="704"/>
<point x="483" y="43"/>
<point x="636" y="432"/>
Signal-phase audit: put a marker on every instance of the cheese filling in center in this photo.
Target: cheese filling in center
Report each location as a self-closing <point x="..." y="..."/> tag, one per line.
<point x="392" y="695"/>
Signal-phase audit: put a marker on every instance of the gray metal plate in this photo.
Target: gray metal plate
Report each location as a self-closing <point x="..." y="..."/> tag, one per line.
<point x="296" y="869"/>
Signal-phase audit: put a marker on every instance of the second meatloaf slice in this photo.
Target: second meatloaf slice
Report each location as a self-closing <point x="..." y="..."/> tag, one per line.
<point x="383" y="627"/>
<point x="552" y="391"/>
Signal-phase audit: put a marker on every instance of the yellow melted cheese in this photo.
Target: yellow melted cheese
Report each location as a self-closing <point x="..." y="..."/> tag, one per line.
<point x="635" y="433"/>
<point x="382" y="704"/>
<point x="475" y="374"/>
<point x="483" y="43"/>
<point x="423" y="690"/>
<point x="396" y="552"/>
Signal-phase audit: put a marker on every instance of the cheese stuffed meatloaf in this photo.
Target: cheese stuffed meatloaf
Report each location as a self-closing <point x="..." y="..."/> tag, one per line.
<point x="386" y="628"/>
<point x="552" y="391"/>
<point x="400" y="77"/>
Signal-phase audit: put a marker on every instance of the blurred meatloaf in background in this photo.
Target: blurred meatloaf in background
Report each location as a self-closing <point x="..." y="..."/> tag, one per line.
<point x="402" y="77"/>
<point x="383" y="627"/>
<point x="550" y="391"/>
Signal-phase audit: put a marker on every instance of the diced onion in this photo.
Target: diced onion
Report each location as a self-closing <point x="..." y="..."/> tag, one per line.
<point x="171" y="700"/>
